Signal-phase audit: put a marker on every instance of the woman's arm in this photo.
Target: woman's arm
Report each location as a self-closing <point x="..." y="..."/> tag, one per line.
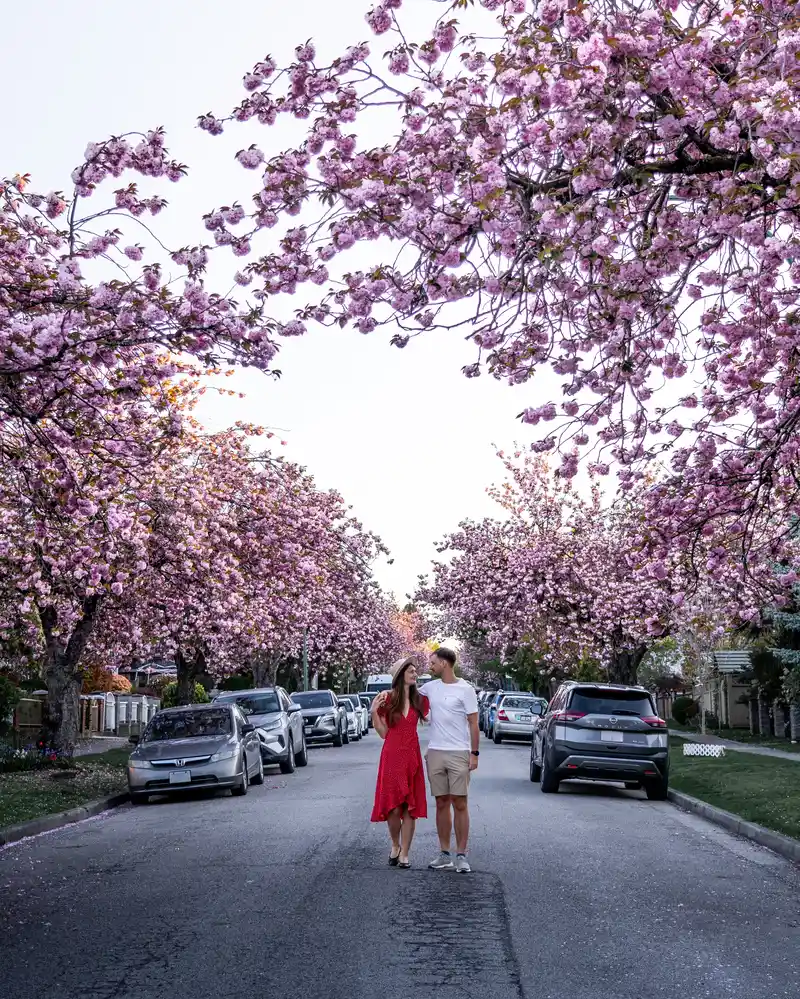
<point x="379" y="723"/>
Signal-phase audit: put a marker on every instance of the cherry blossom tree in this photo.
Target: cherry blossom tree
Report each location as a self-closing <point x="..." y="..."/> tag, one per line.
<point x="607" y="190"/>
<point x="563" y="575"/>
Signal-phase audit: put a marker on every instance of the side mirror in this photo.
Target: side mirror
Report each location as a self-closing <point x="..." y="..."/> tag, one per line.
<point x="134" y="740"/>
<point x="294" y="708"/>
<point x="247" y="729"/>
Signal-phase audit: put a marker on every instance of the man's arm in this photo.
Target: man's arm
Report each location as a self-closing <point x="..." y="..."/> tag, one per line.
<point x="475" y="739"/>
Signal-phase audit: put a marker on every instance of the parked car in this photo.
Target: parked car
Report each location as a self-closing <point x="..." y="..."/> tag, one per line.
<point x="515" y="717"/>
<point x="353" y="718"/>
<point x="601" y="731"/>
<point x="361" y="710"/>
<point x="278" y="722"/>
<point x="200" y="746"/>
<point x="366" y="703"/>
<point x="483" y="704"/>
<point x="324" y="718"/>
<point x="491" y="710"/>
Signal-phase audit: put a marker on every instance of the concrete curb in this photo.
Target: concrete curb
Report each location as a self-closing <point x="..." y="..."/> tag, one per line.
<point x="12" y="834"/>
<point x="783" y="845"/>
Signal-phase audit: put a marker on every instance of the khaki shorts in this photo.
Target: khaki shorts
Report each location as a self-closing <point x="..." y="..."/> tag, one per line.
<point x="448" y="771"/>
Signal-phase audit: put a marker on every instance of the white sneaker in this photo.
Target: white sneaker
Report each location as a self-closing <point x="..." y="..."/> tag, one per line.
<point x="444" y="862"/>
<point x="462" y="865"/>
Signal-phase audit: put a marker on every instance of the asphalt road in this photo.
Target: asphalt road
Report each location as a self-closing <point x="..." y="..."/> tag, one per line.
<point x="594" y="893"/>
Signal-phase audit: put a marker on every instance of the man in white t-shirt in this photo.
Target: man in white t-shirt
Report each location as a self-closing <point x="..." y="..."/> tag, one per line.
<point x="452" y="756"/>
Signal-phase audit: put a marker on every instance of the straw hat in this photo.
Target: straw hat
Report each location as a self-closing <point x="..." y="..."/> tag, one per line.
<point x="395" y="668"/>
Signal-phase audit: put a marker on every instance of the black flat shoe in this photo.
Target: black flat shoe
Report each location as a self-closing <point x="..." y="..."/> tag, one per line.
<point x="394" y="861"/>
<point x="404" y="864"/>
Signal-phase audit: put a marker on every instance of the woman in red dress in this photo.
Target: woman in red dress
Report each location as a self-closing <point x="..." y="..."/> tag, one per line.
<point x="400" y="795"/>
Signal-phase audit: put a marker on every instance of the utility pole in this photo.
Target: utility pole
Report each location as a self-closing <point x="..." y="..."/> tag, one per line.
<point x="305" y="658"/>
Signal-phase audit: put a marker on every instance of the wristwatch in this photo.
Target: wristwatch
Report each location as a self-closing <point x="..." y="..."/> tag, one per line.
<point x="475" y="752"/>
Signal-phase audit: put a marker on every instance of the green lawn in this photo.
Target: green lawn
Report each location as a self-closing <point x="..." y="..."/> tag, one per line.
<point x="25" y="796"/>
<point x="759" y="788"/>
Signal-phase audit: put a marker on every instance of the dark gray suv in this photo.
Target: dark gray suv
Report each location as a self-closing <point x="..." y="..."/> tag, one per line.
<point x="601" y="731"/>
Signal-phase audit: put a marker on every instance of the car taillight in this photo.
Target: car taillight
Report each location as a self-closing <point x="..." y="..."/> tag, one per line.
<point x="502" y="715"/>
<point x="568" y="715"/>
<point x="655" y="722"/>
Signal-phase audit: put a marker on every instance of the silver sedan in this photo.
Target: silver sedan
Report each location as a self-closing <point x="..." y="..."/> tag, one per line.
<point x="516" y="717"/>
<point x="199" y="746"/>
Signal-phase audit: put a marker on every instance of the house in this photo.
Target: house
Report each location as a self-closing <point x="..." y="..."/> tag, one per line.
<point x="719" y="692"/>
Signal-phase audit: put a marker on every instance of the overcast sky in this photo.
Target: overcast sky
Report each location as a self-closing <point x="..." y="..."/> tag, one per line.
<point x="402" y="434"/>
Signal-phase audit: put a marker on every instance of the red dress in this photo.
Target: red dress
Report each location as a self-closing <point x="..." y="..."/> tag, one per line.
<point x="401" y="779"/>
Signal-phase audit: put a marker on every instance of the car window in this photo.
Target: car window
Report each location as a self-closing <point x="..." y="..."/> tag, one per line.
<point x="520" y="703"/>
<point x="347" y="705"/>
<point x="314" y="698"/>
<point x="253" y="704"/>
<point x="189" y="725"/>
<point x="611" y="702"/>
<point x="559" y="700"/>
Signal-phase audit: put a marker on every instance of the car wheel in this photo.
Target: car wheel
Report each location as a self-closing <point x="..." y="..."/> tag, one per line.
<point x="337" y="739"/>
<point x="244" y="786"/>
<point x="536" y="770"/>
<point x="547" y="782"/>
<point x="259" y="777"/>
<point x="346" y="737"/>
<point x="657" y="790"/>
<point x="140" y="799"/>
<point x="302" y="757"/>
<point x="288" y="765"/>
<point x="497" y="738"/>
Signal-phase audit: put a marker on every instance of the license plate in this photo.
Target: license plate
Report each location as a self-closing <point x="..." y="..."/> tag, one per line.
<point x="612" y="736"/>
<point x="524" y="718"/>
<point x="308" y="728"/>
<point x="180" y="777"/>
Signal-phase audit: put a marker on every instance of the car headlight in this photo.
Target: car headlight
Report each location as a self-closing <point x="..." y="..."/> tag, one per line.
<point x="328" y="718"/>
<point x="138" y="764"/>
<point x="225" y="754"/>
<point x="274" y="723"/>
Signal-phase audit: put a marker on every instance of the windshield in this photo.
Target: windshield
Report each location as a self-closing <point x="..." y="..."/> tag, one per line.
<point x="313" y="699"/>
<point x="377" y="686"/>
<point x="254" y="704"/>
<point x="521" y="704"/>
<point x="189" y="725"/>
<point x="611" y="702"/>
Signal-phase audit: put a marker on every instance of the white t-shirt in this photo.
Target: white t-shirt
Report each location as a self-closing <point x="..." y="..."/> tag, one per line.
<point x="450" y="705"/>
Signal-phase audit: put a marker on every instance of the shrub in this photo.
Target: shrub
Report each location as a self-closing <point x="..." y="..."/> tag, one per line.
<point x="38" y="757"/>
<point x="169" y="695"/>
<point x="684" y="709"/>
<point x="100" y="680"/>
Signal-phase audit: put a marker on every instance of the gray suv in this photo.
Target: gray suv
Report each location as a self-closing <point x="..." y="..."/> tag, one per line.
<point x="324" y="718"/>
<point x="278" y="724"/>
<point x="601" y="731"/>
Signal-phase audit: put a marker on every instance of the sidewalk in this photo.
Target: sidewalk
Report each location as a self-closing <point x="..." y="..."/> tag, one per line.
<point x="736" y="747"/>
<point x="100" y="744"/>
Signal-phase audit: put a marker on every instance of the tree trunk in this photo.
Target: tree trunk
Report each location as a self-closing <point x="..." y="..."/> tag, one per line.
<point x="62" y="724"/>
<point x="794" y="720"/>
<point x="189" y="668"/>
<point x="265" y="668"/>
<point x="763" y="716"/>
<point x="624" y="666"/>
<point x="753" y="706"/>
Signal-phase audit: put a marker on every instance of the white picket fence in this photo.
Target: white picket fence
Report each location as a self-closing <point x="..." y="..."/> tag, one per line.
<point x="702" y="749"/>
